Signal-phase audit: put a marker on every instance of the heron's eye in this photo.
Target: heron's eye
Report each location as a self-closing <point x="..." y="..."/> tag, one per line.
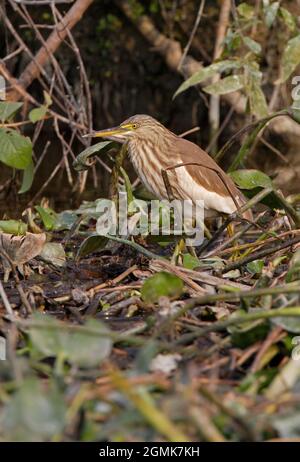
<point x="134" y="125"/>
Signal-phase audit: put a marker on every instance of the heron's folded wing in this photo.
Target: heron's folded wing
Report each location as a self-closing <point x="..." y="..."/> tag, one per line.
<point x="207" y="173"/>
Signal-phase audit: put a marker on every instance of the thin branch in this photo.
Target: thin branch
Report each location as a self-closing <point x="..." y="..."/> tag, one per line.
<point x="291" y="312"/>
<point x="32" y="70"/>
<point x="194" y="30"/>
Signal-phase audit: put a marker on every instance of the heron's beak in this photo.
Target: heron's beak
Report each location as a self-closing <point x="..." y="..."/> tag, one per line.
<point x="115" y="133"/>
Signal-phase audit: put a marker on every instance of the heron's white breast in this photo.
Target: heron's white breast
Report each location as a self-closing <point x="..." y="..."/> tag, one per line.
<point x="187" y="186"/>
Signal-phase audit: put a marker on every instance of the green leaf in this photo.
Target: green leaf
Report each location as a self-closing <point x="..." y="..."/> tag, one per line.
<point x="190" y="262"/>
<point x="91" y="244"/>
<point x="48" y="217"/>
<point x="208" y="72"/>
<point x="161" y="284"/>
<point x="290" y="324"/>
<point x="270" y="12"/>
<point x="15" y="150"/>
<point x="65" y="220"/>
<point x="54" y="253"/>
<point x="271" y="200"/>
<point x="288" y="18"/>
<point x="47" y="99"/>
<point x="290" y="58"/>
<point x="252" y="45"/>
<point x="80" y="163"/>
<point x="78" y="346"/>
<point x="250" y="179"/>
<point x="8" y="109"/>
<point x="248" y="143"/>
<point x="28" y="175"/>
<point x="232" y="41"/>
<point x="248" y="333"/>
<point x="246" y="11"/>
<point x="15" y="227"/>
<point x="255" y="266"/>
<point x="258" y="104"/>
<point x="37" y="114"/>
<point x="34" y="413"/>
<point x="257" y="100"/>
<point x="226" y="85"/>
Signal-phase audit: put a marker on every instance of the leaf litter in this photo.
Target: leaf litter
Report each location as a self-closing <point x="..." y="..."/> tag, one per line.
<point x="117" y="345"/>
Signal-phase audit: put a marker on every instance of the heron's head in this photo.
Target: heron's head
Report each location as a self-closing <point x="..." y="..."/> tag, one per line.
<point x="138" y="127"/>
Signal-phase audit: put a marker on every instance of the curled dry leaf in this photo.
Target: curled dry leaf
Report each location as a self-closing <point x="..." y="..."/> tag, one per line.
<point x="20" y="249"/>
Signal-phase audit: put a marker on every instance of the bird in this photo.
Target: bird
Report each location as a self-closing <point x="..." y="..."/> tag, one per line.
<point x="192" y="173"/>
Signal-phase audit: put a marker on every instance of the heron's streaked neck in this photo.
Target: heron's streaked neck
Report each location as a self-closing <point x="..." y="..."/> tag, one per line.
<point x="158" y="142"/>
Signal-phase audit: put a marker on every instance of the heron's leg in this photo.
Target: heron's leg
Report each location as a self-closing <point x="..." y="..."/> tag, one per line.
<point x="230" y="230"/>
<point x="207" y="234"/>
<point x="177" y="254"/>
<point x="180" y="246"/>
<point x="191" y="250"/>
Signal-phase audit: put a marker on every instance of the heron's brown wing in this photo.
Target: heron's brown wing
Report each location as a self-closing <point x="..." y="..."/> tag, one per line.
<point x="207" y="173"/>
